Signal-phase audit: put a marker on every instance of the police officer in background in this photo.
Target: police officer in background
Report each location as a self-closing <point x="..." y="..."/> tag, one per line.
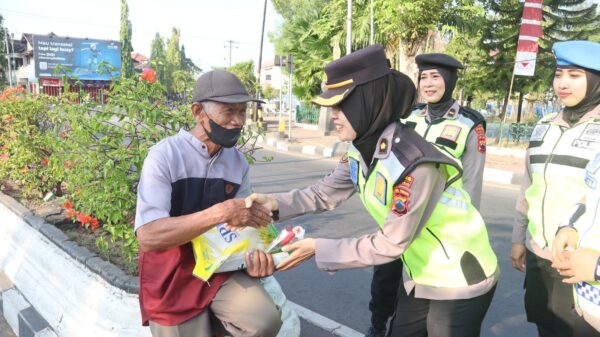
<point x="458" y="130"/>
<point x="408" y="187"/>
<point x="560" y="147"/>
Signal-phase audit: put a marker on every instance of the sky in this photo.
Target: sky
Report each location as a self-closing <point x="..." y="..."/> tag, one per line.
<point x="205" y="25"/>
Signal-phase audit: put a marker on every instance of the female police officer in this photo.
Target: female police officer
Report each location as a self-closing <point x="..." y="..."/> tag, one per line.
<point x="404" y="183"/>
<point x="458" y="130"/>
<point x="560" y="147"/>
<point x="582" y="229"/>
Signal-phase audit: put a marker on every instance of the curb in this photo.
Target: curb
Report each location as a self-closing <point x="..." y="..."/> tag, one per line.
<point x="339" y="148"/>
<point x="20" y="315"/>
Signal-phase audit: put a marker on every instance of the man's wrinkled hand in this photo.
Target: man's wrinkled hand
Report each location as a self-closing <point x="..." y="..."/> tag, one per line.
<point x="567" y="238"/>
<point x="237" y="214"/>
<point x="268" y="201"/>
<point x="259" y="264"/>
<point x="517" y="256"/>
<point x="300" y="251"/>
<point x="578" y="265"/>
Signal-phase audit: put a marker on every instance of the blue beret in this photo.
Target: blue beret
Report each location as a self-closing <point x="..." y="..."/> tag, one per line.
<point x="584" y="54"/>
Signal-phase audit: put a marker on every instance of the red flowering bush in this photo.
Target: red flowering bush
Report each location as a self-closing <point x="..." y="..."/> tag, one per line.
<point x="90" y="154"/>
<point x="148" y="75"/>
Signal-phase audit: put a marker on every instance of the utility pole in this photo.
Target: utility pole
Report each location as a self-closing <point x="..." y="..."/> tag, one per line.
<point x="8" y="57"/>
<point x="262" y="36"/>
<point x="290" y="69"/>
<point x="349" y="28"/>
<point x="230" y="46"/>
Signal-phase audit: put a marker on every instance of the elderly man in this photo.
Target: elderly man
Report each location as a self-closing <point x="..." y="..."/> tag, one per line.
<point x="190" y="183"/>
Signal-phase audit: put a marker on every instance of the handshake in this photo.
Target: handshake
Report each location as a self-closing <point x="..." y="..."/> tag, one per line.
<point x="255" y="211"/>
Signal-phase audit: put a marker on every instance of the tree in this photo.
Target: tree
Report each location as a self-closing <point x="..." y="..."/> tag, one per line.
<point x="158" y="58"/>
<point x="562" y="20"/>
<point x="245" y="72"/>
<point x="187" y="64"/>
<point x="313" y="32"/>
<point x="127" y="70"/>
<point x="173" y="59"/>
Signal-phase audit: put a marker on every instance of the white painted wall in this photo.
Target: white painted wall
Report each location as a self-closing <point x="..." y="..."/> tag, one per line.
<point x="74" y="301"/>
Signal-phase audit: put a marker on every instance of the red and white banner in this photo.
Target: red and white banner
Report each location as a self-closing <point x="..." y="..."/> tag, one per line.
<point x="530" y="32"/>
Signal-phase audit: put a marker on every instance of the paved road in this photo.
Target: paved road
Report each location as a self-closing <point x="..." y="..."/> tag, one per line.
<point x="5" y="330"/>
<point x="344" y="296"/>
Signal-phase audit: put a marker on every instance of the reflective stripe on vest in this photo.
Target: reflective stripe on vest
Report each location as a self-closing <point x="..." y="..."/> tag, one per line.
<point x="452" y="250"/>
<point x="557" y="158"/>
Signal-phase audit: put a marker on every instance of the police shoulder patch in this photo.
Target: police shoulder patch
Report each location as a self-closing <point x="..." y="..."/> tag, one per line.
<point x="481" y="141"/>
<point x="344" y="159"/>
<point x="401" y="196"/>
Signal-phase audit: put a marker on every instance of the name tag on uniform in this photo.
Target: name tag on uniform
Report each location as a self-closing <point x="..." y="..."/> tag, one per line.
<point x="450" y="132"/>
<point x="590" y="181"/>
<point x="380" y="188"/>
<point x="589" y="138"/>
<point x="539" y="132"/>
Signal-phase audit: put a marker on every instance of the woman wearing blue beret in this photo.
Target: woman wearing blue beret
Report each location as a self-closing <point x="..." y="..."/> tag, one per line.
<point x="560" y="147"/>
<point x="575" y="251"/>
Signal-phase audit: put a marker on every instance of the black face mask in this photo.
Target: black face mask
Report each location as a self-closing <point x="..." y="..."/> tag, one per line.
<point x="223" y="136"/>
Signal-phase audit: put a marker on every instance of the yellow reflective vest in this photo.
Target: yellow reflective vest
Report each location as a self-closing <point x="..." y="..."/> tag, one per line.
<point x="450" y="132"/>
<point x="453" y="249"/>
<point x="557" y="158"/>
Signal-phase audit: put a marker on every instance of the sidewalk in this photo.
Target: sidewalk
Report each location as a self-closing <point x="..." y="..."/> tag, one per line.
<point x="502" y="165"/>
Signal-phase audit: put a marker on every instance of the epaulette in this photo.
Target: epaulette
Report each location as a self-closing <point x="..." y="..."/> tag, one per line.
<point x="473" y="115"/>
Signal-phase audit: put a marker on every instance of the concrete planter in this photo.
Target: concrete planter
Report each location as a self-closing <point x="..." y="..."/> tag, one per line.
<point x="73" y="292"/>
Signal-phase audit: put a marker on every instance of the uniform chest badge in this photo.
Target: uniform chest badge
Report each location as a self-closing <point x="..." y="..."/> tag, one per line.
<point x="451" y="132"/>
<point x="353" y="163"/>
<point x="589" y="138"/>
<point x="539" y="132"/>
<point x="380" y="188"/>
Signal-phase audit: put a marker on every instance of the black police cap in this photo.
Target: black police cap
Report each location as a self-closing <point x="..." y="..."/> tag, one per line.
<point x="436" y="60"/>
<point x="345" y="73"/>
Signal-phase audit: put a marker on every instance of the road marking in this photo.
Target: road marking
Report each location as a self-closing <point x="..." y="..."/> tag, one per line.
<point x="324" y="323"/>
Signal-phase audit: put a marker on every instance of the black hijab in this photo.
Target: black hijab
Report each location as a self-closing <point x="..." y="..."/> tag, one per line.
<point x="438" y="109"/>
<point x="372" y="106"/>
<point x="591" y="99"/>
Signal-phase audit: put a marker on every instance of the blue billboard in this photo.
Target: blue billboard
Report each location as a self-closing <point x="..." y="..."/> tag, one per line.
<point x="84" y="59"/>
